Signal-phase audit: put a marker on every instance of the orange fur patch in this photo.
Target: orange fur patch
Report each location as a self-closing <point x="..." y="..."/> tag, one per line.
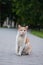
<point x="27" y="40"/>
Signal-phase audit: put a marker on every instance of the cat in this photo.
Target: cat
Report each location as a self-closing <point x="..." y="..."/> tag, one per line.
<point x="22" y="41"/>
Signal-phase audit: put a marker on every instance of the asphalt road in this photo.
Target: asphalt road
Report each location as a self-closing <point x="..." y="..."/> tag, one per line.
<point x="7" y="49"/>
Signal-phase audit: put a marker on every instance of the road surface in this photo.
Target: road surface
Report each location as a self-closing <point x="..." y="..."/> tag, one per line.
<point x="7" y="49"/>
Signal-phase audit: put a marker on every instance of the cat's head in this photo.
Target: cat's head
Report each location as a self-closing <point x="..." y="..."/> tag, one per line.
<point x="22" y="30"/>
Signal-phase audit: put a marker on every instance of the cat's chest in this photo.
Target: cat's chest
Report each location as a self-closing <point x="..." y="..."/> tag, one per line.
<point x="20" y="39"/>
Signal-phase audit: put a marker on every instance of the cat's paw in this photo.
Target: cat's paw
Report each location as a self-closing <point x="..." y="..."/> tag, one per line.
<point x="29" y="53"/>
<point x="19" y="54"/>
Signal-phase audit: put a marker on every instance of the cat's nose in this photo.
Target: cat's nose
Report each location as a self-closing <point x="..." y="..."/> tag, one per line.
<point x="23" y="32"/>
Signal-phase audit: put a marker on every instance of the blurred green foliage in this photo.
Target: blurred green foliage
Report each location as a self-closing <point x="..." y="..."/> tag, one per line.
<point x="27" y="11"/>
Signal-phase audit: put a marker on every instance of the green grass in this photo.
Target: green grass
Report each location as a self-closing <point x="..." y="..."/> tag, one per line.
<point x="37" y="33"/>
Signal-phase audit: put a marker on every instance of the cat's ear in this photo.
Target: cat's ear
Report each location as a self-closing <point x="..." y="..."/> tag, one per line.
<point x="26" y="27"/>
<point x="19" y="26"/>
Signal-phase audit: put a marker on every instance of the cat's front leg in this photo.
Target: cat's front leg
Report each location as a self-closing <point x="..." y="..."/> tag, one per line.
<point x="16" y="49"/>
<point x="21" y="49"/>
<point x="17" y="46"/>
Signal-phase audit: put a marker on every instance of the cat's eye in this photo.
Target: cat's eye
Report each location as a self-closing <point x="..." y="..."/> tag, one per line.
<point x="24" y="30"/>
<point x="20" y="30"/>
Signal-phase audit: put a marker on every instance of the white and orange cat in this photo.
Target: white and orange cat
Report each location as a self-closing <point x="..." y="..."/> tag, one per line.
<point x="22" y="41"/>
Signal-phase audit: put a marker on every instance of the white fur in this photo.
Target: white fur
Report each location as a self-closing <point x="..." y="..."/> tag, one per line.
<point x="20" y="43"/>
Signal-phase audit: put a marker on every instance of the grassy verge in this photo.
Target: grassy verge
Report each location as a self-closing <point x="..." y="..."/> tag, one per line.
<point x="37" y="33"/>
